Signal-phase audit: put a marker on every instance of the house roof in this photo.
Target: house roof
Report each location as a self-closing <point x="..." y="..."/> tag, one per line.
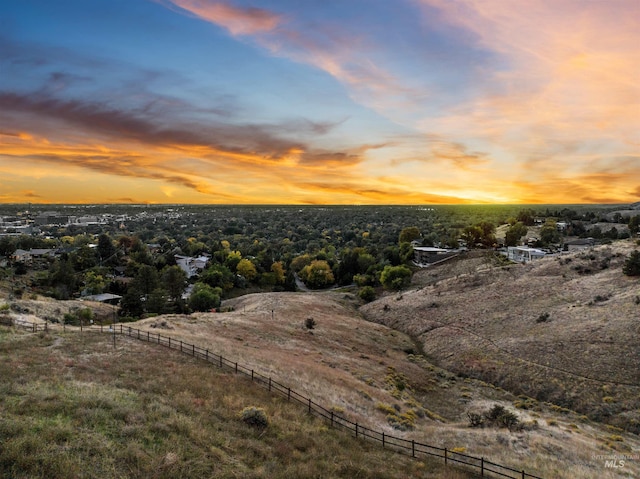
<point x="101" y="298"/>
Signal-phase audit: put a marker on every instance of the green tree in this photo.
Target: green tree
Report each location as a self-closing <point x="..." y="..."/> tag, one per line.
<point x="395" y="277"/>
<point x="62" y="278"/>
<point x="317" y="275"/>
<point x="146" y="280"/>
<point x="526" y="217"/>
<point x="106" y="250"/>
<point x="174" y="280"/>
<point x="480" y="234"/>
<point x="299" y="262"/>
<point x="347" y="267"/>
<point x="204" y="297"/>
<point x="514" y="233"/>
<point x="549" y="233"/>
<point x="632" y="264"/>
<point x="407" y="235"/>
<point x="218" y="276"/>
<point x="7" y="246"/>
<point x="131" y="303"/>
<point x="84" y="258"/>
<point x="94" y="283"/>
<point x="158" y="301"/>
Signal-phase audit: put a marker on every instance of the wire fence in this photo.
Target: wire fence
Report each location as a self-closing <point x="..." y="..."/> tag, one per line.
<point x="411" y="448"/>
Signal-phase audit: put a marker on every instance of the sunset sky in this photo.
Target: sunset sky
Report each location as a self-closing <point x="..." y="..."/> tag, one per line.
<point x="320" y="101"/>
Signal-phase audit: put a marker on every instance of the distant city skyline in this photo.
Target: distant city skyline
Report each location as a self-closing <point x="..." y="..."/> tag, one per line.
<point x="333" y="102"/>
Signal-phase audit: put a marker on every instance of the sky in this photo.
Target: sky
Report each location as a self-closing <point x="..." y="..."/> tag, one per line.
<point x="320" y="101"/>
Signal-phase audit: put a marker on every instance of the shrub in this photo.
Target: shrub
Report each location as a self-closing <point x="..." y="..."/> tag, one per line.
<point x="367" y="293"/>
<point x="544" y="317"/>
<point x="310" y="323"/>
<point x="475" y="419"/>
<point x="254" y="416"/>
<point x="497" y="416"/>
<point x="632" y="264"/>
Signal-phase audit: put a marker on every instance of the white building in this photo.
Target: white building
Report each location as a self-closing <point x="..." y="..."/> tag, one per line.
<point x="524" y="254"/>
<point x="191" y="266"/>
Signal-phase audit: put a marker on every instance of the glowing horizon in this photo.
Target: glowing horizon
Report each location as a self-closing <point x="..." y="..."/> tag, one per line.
<point x="343" y="103"/>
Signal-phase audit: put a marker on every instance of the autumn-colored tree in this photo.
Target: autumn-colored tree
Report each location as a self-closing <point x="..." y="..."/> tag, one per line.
<point x="317" y="275"/>
<point x="247" y="269"/>
<point x="278" y="270"/>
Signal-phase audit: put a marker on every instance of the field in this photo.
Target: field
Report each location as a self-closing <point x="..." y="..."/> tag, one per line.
<point x="562" y="330"/>
<point x="72" y="407"/>
<point x="554" y="342"/>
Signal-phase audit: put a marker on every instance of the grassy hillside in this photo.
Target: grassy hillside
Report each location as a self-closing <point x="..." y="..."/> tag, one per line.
<point x="365" y="371"/>
<point x="563" y="330"/>
<point x="72" y="407"/>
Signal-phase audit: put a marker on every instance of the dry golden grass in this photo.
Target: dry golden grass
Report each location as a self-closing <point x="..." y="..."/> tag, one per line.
<point x="485" y="321"/>
<point x="345" y="363"/>
<point x="73" y="407"/>
<point x="477" y="320"/>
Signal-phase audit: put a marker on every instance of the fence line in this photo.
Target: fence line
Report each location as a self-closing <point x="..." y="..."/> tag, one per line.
<point x="404" y="446"/>
<point x="409" y="447"/>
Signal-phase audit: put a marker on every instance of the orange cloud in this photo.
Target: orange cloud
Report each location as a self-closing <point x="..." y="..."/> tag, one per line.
<point x="239" y="21"/>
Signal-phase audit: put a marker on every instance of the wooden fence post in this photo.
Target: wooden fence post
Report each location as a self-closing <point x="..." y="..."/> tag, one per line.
<point x="206" y="355"/>
<point x="269" y="383"/>
<point x="482" y="467"/>
<point x="331" y="418"/>
<point x="356" y="430"/>
<point x="288" y="394"/>
<point x="445" y="456"/>
<point x="383" y="439"/>
<point x="309" y="404"/>
<point x="193" y="350"/>
<point x="413" y="448"/>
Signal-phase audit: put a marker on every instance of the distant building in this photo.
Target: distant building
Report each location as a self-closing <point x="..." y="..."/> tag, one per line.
<point x="24" y="256"/>
<point x="579" y="244"/>
<point x="51" y="218"/>
<point x="524" y="254"/>
<point x="103" y="298"/>
<point x="191" y="266"/>
<point x="431" y="255"/>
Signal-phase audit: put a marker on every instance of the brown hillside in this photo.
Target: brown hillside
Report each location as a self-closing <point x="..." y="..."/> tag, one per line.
<point x="368" y="373"/>
<point x="564" y="329"/>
